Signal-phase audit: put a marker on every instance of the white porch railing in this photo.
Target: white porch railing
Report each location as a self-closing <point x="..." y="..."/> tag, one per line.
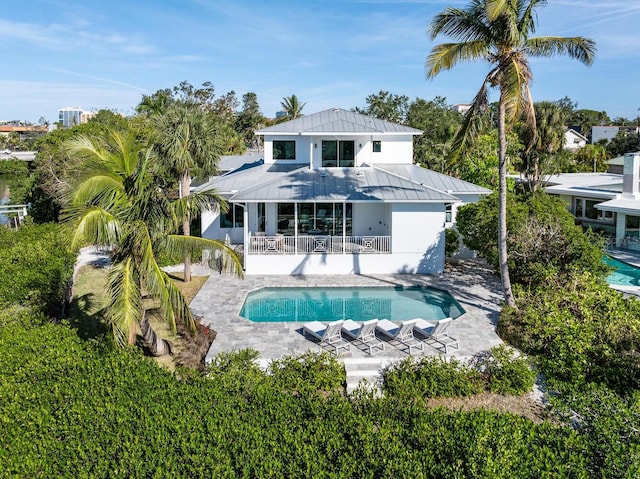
<point x="319" y="244"/>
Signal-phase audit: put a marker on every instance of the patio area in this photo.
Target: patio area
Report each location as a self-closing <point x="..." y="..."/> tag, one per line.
<point x="219" y="302"/>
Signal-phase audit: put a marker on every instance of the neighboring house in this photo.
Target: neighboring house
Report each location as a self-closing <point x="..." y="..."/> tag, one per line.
<point x="573" y="140"/>
<point x="605" y="202"/>
<point x="337" y="193"/>
<point x="609" y="132"/>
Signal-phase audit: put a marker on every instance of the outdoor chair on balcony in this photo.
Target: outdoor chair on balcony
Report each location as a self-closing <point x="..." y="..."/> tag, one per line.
<point x="327" y="335"/>
<point x="363" y="334"/>
<point x="436" y="333"/>
<point x="399" y="335"/>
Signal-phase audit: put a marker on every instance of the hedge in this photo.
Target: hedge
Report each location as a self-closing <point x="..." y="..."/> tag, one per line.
<point x="70" y="408"/>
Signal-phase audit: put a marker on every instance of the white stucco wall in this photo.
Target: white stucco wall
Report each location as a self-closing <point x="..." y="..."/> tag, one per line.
<point x="303" y="144"/>
<point x="417" y="246"/>
<point x="394" y="149"/>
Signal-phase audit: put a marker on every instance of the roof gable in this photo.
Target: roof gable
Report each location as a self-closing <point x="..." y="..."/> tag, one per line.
<point x="337" y="120"/>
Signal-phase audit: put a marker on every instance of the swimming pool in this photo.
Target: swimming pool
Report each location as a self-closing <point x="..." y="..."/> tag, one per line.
<point x="359" y="304"/>
<point x="624" y="275"/>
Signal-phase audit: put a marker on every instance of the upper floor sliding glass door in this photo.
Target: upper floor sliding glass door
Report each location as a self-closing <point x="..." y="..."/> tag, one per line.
<point x="338" y="153"/>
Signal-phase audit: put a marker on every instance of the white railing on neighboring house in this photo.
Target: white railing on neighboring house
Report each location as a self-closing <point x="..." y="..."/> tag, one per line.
<point x="318" y="244"/>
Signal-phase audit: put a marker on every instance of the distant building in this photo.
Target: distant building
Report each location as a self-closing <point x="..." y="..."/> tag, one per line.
<point x="573" y="140"/>
<point x="461" y="108"/>
<point x="72" y="116"/>
<point x="609" y="132"/>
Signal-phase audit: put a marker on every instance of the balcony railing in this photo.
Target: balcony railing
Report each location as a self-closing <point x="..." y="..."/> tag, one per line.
<point x="319" y="244"/>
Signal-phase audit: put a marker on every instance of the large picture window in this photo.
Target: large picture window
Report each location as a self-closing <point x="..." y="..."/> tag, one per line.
<point x="338" y="153"/>
<point x="284" y="150"/>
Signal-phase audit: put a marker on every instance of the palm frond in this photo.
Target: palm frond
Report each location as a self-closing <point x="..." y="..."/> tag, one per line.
<point x="515" y="76"/>
<point x="124" y="301"/>
<point x="192" y="205"/>
<point x="580" y="48"/>
<point x="471" y="124"/>
<point x="172" y="302"/>
<point x="94" y="226"/>
<point x="230" y="261"/>
<point x="464" y="25"/>
<point x="447" y="55"/>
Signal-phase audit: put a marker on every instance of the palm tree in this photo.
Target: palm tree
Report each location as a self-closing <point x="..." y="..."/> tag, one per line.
<point x="190" y="145"/>
<point x="115" y="204"/>
<point x="548" y="142"/>
<point x="292" y="107"/>
<point x="499" y="32"/>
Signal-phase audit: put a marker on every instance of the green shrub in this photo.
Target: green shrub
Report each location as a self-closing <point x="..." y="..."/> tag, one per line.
<point x="580" y="330"/>
<point x="544" y="242"/>
<point x="70" y="408"/>
<point x="310" y="371"/>
<point x="36" y="267"/>
<point x="504" y="373"/>
<point x="19" y="314"/>
<point x="430" y="377"/>
<point x="451" y="242"/>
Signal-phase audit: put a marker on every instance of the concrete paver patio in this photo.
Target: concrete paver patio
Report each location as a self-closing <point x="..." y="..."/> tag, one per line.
<point x="219" y="302"/>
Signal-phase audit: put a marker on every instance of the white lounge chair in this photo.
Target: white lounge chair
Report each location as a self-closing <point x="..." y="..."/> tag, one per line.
<point x="327" y="334"/>
<point x="436" y="332"/>
<point x="402" y="334"/>
<point x="363" y="333"/>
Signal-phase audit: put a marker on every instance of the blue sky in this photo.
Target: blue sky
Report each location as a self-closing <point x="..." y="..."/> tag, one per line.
<point x="105" y="54"/>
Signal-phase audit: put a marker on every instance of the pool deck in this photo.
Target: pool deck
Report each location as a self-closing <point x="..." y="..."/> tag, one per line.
<point x="219" y="302"/>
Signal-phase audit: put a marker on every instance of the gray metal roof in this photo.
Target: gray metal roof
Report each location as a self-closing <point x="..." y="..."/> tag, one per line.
<point x="247" y="176"/>
<point x="233" y="162"/>
<point x="337" y="121"/>
<point x="341" y="184"/>
<point x="433" y="179"/>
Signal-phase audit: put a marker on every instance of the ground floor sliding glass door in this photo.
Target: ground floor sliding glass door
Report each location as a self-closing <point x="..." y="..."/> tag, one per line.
<point x="331" y="219"/>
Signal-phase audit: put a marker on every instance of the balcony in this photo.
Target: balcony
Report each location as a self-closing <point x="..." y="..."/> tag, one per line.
<point x="319" y="244"/>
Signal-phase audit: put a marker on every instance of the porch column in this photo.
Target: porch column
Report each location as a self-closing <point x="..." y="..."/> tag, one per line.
<point x="245" y="231"/>
<point x="621" y="228"/>
<point x="344" y="227"/>
<point x="295" y="227"/>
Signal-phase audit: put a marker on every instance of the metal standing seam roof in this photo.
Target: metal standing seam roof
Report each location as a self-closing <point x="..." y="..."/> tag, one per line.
<point x="434" y="179"/>
<point x="337" y="121"/>
<point x="233" y="162"/>
<point x="341" y="184"/>
<point x="247" y="176"/>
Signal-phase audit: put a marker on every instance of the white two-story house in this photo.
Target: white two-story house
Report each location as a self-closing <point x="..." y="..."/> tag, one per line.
<point x="337" y="193"/>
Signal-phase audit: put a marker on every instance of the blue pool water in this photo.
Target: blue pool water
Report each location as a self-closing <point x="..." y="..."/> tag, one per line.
<point x="358" y="304"/>
<point x="624" y="275"/>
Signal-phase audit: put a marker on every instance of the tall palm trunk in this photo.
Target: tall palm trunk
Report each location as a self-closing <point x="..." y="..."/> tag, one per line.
<point x="185" y="184"/>
<point x="502" y="207"/>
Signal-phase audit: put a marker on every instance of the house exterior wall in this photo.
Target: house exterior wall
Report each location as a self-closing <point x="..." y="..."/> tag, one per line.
<point x="303" y="144"/>
<point x="371" y="219"/>
<point x="396" y="149"/>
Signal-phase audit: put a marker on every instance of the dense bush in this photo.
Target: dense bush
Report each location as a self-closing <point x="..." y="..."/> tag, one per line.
<point x="70" y="408"/>
<point x="309" y="371"/>
<point x="504" y="373"/>
<point x="451" y="242"/>
<point x="543" y="242"/>
<point x="36" y="267"/>
<point x="497" y="371"/>
<point x="430" y="376"/>
<point x="582" y="331"/>
<point x="16" y="174"/>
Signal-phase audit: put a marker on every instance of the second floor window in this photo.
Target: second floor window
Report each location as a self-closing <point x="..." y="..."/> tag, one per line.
<point x="338" y="153"/>
<point x="284" y="150"/>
